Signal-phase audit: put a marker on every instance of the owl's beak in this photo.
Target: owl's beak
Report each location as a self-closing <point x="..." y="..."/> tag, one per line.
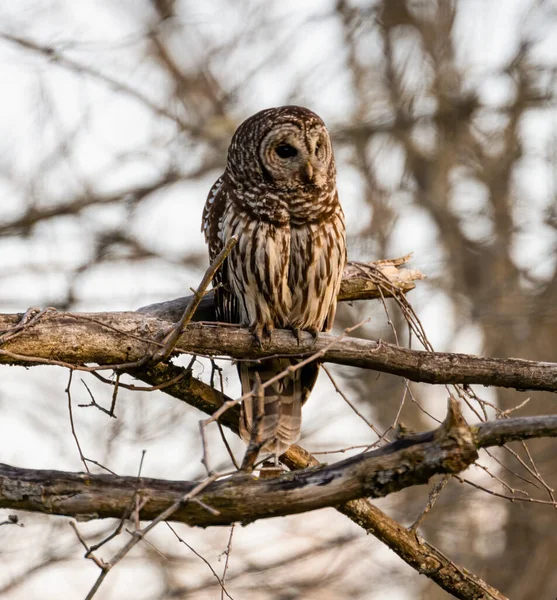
<point x="308" y="172"/>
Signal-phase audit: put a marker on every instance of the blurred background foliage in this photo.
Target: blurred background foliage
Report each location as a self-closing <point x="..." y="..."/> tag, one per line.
<point x="115" y="119"/>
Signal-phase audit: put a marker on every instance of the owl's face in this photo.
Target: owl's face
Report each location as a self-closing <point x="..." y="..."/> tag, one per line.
<point x="284" y="149"/>
<point x="294" y="155"/>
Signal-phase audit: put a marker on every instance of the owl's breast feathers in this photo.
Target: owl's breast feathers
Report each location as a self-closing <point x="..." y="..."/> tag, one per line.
<point x="286" y="268"/>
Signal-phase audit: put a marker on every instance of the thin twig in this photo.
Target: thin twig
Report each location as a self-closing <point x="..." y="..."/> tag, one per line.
<point x="94" y="402"/>
<point x="433" y="495"/>
<point x="140" y="388"/>
<point x="172" y="338"/>
<point x="68" y="393"/>
<point x="182" y="541"/>
<point x="227" y="554"/>
<point x="350" y="404"/>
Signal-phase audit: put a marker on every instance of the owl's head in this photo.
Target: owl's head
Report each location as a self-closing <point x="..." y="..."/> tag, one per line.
<point x="287" y="147"/>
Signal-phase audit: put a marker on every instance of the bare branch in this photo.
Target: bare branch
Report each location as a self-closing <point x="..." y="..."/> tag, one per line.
<point x="172" y="338"/>
<point x="112" y="339"/>
<point x="503" y="431"/>
<point x="75" y="206"/>
<point x="361" y="281"/>
<point x="243" y="498"/>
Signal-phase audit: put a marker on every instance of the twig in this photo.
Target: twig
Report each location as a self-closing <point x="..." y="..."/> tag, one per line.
<point x="94" y="402"/>
<point x="341" y="450"/>
<point x="172" y="338"/>
<point x="433" y="495"/>
<point x="216" y="369"/>
<point x="114" y="394"/>
<point x="139" y="388"/>
<point x="504" y="483"/>
<point x="29" y="318"/>
<point x="219" y="580"/>
<point x="139" y="534"/>
<point x="227" y="446"/>
<point x="350" y="404"/>
<point x="505" y="496"/>
<point x="506" y="413"/>
<point x="68" y="393"/>
<point x="227" y="554"/>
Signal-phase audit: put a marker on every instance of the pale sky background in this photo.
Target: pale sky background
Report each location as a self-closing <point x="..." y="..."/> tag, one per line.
<point x="106" y="125"/>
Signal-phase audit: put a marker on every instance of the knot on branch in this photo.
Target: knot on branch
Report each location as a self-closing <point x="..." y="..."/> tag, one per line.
<point x="455" y="431"/>
<point x="415" y="458"/>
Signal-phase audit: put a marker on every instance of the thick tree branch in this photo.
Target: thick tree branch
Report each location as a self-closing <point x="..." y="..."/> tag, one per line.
<point x="410" y="461"/>
<point x="503" y="431"/>
<point x="245" y="498"/>
<point x="241" y="497"/>
<point x="124" y="338"/>
<point x="361" y="281"/>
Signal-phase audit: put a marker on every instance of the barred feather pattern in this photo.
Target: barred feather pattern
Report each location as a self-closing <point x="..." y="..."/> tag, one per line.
<point x="286" y="268"/>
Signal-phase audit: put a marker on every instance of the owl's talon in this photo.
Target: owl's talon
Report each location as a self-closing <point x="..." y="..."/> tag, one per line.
<point x="257" y="334"/>
<point x="297" y="333"/>
<point x="262" y="334"/>
<point x="314" y="332"/>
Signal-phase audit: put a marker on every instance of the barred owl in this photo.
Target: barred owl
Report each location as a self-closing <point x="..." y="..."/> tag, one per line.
<point x="278" y="195"/>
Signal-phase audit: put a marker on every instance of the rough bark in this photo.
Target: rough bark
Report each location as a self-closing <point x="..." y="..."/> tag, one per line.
<point x="412" y="460"/>
<point x="361" y="281"/>
<point x="243" y="497"/>
<point x="73" y="339"/>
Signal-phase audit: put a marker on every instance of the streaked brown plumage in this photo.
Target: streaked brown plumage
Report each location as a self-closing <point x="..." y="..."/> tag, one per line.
<point x="278" y="196"/>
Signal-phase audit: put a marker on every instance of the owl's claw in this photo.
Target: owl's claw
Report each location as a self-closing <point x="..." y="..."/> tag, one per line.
<point x="262" y="334"/>
<point x="314" y="332"/>
<point x="297" y="333"/>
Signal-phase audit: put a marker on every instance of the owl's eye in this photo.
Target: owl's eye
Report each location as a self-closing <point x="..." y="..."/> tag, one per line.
<point x="286" y="151"/>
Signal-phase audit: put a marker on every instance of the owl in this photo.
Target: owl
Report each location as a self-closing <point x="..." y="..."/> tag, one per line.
<point x="278" y="196"/>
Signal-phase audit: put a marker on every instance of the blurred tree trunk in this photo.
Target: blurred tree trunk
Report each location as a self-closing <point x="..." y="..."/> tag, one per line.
<point x="516" y="315"/>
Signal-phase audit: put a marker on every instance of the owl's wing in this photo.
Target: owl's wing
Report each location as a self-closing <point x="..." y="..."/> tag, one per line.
<point x="226" y="305"/>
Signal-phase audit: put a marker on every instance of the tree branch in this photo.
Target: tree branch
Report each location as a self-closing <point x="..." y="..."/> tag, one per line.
<point x="361" y="281"/>
<point x="407" y="462"/>
<point x="410" y="461"/>
<point x="503" y="431"/>
<point x="112" y="339"/>
<point x="448" y="449"/>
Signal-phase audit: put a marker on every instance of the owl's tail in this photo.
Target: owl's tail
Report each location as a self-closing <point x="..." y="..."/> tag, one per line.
<point x="281" y="421"/>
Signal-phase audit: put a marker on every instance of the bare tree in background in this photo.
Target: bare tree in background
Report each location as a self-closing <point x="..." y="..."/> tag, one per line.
<point x="116" y="120"/>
